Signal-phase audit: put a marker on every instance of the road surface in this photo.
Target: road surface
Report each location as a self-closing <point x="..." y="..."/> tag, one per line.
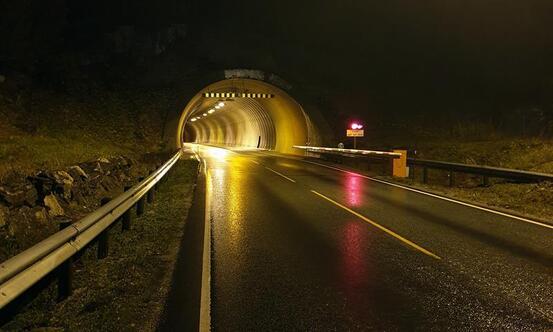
<point x="296" y="246"/>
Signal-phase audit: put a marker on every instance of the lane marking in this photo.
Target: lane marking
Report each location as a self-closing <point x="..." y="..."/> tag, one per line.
<point x="255" y="162"/>
<point x="278" y="173"/>
<point x="437" y="196"/>
<point x="382" y="228"/>
<point x="205" y="297"/>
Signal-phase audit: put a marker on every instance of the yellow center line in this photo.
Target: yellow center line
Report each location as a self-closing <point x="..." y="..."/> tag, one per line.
<point x="382" y="228"/>
<point x="278" y="173"/>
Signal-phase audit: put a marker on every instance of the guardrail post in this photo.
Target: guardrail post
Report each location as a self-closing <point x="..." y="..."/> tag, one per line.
<point x="65" y="271"/>
<point x="103" y="238"/>
<point x="156" y="186"/>
<point x="485" y="181"/>
<point x="425" y="174"/>
<point x="167" y="175"/>
<point x="399" y="165"/>
<point x="451" y="176"/>
<point x="140" y="204"/>
<point x="127" y="216"/>
<point x="150" y="195"/>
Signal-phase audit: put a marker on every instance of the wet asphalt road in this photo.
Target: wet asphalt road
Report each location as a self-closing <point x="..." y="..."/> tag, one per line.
<point x="289" y="254"/>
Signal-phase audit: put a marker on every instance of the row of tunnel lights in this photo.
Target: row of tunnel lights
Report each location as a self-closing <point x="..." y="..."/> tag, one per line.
<point x="211" y="111"/>
<point x="238" y="95"/>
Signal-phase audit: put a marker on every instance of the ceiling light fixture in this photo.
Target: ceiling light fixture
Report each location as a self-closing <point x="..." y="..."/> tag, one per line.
<point x="229" y="96"/>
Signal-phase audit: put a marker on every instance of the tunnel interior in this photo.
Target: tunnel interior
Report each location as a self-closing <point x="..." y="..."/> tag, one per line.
<point x="246" y="113"/>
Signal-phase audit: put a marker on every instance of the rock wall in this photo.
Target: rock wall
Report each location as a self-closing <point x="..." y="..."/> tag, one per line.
<point x="32" y="207"/>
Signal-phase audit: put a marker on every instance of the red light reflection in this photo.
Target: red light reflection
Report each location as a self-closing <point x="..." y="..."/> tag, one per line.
<point x="356" y="271"/>
<point x="354" y="192"/>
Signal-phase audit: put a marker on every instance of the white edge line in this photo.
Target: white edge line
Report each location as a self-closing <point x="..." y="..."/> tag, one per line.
<point x="284" y="176"/>
<point x="205" y="298"/>
<point x="437" y="196"/>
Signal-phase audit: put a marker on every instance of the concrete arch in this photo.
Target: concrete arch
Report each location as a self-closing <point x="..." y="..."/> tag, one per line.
<point x="276" y="123"/>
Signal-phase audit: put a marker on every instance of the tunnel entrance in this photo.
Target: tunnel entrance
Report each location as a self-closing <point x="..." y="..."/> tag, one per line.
<point x="247" y="113"/>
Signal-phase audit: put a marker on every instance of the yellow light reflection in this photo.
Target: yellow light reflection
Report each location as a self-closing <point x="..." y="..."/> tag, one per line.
<point x="288" y="165"/>
<point x="229" y="185"/>
<point x="216" y="153"/>
<point x="235" y="207"/>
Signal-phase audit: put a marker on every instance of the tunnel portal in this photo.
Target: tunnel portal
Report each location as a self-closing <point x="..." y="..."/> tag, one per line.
<point x="246" y="113"/>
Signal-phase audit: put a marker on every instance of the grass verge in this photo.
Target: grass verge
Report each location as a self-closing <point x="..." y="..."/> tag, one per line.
<point x="525" y="154"/>
<point x="127" y="290"/>
<point x="533" y="200"/>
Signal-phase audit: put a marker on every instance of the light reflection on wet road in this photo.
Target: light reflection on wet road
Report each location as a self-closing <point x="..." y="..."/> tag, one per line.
<point x="353" y="190"/>
<point x="285" y="259"/>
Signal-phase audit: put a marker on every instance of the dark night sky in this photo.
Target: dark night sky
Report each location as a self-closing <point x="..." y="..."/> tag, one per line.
<point x="495" y="51"/>
<point x="483" y="55"/>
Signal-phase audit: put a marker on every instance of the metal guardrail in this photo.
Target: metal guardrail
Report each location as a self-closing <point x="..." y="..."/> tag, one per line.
<point x="353" y="152"/>
<point x="24" y="270"/>
<point x="485" y="171"/>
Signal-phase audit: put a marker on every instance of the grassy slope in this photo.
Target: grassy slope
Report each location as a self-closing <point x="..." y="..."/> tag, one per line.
<point x="52" y="130"/>
<point x="526" y="154"/>
<point x="126" y="291"/>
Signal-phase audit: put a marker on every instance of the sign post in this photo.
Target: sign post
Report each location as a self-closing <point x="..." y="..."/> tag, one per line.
<point x="355" y="131"/>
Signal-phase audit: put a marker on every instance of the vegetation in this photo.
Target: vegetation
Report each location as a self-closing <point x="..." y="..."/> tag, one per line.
<point x="49" y="130"/>
<point x="531" y="154"/>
